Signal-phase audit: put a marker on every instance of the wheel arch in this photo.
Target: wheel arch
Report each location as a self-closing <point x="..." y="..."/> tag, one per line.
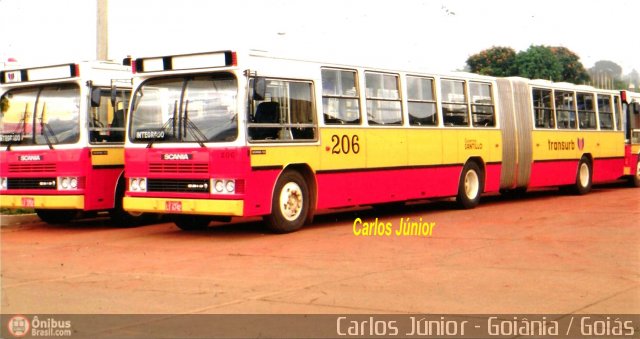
<point x="309" y="176"/>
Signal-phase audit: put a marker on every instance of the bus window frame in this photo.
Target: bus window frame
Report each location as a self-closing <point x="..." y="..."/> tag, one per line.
<point x="356" y="98"/>
<point x="433" y="101"/>
<point x="375" y="99"/>
<point x="286" y="128"/>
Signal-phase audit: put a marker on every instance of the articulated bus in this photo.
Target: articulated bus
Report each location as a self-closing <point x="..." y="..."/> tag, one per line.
<point x="217" y="135"/>
<point x="62" y="139"/>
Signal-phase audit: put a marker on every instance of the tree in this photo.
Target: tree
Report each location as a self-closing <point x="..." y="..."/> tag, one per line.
<point x="538" y="62"/>
<point x="496" y="61"/>
<point x="607" y="67"/>
<point x="572" y="69"/>
<point x="607" y="74"/>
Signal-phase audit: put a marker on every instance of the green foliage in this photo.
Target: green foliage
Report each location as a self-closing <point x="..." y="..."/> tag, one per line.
<point x="10" y="211"/>
<point x="572" y="68"/>
<point x="496" y="61"/>
<point x="537" y="62"/>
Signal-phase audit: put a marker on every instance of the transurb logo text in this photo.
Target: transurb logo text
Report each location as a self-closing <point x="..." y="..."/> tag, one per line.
<point x="176" y="156"/>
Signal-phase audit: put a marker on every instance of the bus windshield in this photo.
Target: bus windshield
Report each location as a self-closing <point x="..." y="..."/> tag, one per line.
<point x="43" y="115"/>
<point x="185" y="109"/>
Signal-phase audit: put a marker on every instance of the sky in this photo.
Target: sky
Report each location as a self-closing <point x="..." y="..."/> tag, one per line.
<point x="434" y="35"/>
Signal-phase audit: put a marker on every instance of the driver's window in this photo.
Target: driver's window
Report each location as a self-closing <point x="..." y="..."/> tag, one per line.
<point x="107" y="122"/>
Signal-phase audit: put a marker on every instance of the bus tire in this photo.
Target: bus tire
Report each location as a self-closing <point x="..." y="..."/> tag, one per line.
<point x="471" y="186"/>
<point x="584" y="177"/>
<point x="122" y="218"/>
<point x="192" y="222"/>
<point x="56" y="216"/>
<point x="634" y="180"/>
<point x="290" y="203"/>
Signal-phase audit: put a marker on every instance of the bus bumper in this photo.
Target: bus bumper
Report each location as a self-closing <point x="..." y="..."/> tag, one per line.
<point x="232" y="208"/>
<point x="68" y="202"/>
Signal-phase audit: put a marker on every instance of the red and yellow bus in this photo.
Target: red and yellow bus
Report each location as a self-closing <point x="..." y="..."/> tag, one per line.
<point x="631" y="104"/>
<point x="224" y="134"/>
<point x="62" y="139"/>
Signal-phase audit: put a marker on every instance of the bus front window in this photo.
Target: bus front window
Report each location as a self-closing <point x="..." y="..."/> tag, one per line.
<point x="198" y="109"/>
<point x="46" y="115"/>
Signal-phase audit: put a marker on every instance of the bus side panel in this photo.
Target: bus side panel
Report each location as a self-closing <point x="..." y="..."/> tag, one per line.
<point x="259" y="191"/>
<point x="365" y="187"/>
<point x="103" y="172"/>
<point x="553" y="173"/>
<point x="607" y="169"/>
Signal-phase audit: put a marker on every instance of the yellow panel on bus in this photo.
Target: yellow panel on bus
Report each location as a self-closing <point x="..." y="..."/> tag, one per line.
<point x="550" y="145"/>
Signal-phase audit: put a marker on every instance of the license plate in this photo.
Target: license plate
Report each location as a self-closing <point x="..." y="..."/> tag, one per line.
<point x="28" y="202"/>
<point x="173" y="206"/>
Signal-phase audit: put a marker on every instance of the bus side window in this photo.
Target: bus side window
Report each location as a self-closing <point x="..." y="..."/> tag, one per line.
<point x="543" y="109"/>
<point x="106" y="122"/>
<point x="604" y="112"/>
<point x="285" y="113"/>
<point x="455" y="111"/>
<point x="565" y="109"/>
<point x="482" y="109"/>
<point x="340" y="97"/>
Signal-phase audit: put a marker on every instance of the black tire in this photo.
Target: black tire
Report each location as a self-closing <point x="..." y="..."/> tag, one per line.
<point x="634" y="179"/>
<point x="584" y="177"/>
<point x="471" y="186"/>
<point x="56" y="216"/>
<point x="192" y="222"/>
<point x="121" y="218"/>
<point x="289" y="204"/>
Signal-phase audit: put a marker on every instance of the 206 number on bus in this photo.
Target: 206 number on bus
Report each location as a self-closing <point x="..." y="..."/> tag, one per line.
<point x="345" y="144"/>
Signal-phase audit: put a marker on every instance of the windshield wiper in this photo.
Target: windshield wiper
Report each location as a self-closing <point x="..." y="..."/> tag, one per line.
<point x="45" y="127"/>
<point x="170" y="121"/>
<point x="164" y="127"/>
<point x="191" y="127"/>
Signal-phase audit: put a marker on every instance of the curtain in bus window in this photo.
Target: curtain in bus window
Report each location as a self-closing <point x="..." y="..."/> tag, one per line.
<point x="421" y="102"/>
<point x="565" y="110"/>
<point x="586" y="111"/>
<point x="340" y="102"/>
<point x="543" y="108"/>
<point x="605" y="114"/>
<point x="383" y="99"/>
<point x="482" y="110"/>
<point x="287" y="105"/>
<point x="454" y="103"/>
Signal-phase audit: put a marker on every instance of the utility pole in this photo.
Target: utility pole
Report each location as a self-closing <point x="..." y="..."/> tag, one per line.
<point x="102" y="30"/>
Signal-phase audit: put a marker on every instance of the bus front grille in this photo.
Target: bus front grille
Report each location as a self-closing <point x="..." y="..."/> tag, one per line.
<point x="164" y="167"/>
<point x="32" y="168"/>
<point x="31" y="183"/>
<point x="173" y="185"/>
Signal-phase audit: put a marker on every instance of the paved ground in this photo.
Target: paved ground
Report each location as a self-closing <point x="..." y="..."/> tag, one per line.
<point x="545" y="253"/>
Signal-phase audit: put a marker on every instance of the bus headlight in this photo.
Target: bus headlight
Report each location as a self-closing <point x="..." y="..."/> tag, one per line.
<point x="138" y="184"/>
<point x="4" y="185"/>
<point x="67" y="183"/>
<point x="223" y="186"/>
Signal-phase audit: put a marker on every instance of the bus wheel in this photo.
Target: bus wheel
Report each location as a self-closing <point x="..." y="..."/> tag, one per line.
<point x="635" y="178"/>
<point x="290" y="203"/>
<point x="192" y="222"/>
<point x="470" y="186"/>
<point x="56" y="216"/>
<point x="583" y="177"/>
